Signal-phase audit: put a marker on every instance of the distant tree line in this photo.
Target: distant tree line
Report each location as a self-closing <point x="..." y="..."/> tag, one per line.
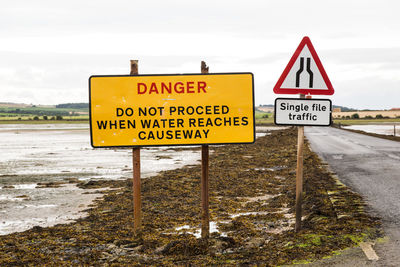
<point x="36" y="118"/>
<point x="73" y="105"/>
<point x="368" y="117"/>
<point x="38" y="112"/>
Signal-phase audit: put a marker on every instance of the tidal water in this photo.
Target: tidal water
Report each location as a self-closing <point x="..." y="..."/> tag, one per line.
<point x="33" y="154"/>
<point x="386" y="129"/>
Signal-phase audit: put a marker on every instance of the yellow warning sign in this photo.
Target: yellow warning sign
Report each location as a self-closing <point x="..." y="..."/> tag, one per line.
<point x="158" y="110"/>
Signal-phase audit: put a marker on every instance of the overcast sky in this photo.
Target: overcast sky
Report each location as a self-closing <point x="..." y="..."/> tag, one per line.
<point x="48" y="49"/>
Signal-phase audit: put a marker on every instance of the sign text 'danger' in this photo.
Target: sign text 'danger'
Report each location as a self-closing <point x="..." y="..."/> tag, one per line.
<point x="148" y="110"/>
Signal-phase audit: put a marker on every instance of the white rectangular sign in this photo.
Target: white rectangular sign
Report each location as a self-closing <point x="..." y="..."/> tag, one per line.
<point x="303" y="112"/>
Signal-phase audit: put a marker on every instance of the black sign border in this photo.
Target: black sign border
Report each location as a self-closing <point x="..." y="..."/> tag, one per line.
<point x="177" y="74"/>
<point x="304" y="99"/>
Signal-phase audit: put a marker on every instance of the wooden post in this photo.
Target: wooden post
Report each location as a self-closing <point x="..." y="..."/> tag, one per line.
<point x="394" y="130"/>
<point x="299" y="174"/>
<point x="137" y="203"/>
<point x="205" y="216"/>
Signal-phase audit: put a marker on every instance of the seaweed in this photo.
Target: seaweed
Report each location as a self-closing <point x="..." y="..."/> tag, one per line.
<point x="252" y="195"/>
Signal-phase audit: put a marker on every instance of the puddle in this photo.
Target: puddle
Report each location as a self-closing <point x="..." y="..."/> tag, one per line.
<point x="197" y="231"/>
<point x="275" y="227"/>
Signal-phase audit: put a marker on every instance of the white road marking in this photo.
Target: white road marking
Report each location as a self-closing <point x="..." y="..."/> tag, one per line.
<point x="369" y="251"/>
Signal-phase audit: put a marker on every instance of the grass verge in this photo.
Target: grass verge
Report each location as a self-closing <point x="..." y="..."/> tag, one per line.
<point x="366" y="121"/>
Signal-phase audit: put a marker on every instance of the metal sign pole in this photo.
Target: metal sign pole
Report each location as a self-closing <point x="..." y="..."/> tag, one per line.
<point x="137" y="203"/>
<point x="299" y="174"/>
<point x="205" y="216"/>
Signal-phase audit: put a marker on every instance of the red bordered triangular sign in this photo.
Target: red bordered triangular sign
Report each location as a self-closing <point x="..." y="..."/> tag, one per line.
<point x="304" y="73"/>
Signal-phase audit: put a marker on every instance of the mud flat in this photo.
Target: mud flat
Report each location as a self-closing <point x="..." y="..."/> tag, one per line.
<point x="252" y="192"/>
<point x="41" y="165"/>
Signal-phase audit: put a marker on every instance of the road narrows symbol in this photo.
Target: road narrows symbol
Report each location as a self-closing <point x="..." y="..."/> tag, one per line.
<point x="310" y="73"/>
<point x="299" y="72"/>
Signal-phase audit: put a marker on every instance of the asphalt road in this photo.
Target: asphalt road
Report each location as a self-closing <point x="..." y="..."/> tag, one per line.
<point x="370" y="166"/>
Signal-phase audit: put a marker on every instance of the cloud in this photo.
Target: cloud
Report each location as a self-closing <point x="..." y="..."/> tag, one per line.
<point x="50" y="48"/>
<point x="380" y="55"/>
<point x="58" y="78"/>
